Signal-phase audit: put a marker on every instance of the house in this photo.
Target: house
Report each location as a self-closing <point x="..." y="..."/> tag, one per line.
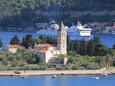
<point x="13" y="48"/>
<point x="52" y="54"/>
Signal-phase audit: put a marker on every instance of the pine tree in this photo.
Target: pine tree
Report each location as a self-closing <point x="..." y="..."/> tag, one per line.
<point x="101" y="50"/>
<point x="15" y="40"/>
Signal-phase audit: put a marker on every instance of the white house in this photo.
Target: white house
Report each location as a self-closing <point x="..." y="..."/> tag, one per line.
<point x="13" y="48"/>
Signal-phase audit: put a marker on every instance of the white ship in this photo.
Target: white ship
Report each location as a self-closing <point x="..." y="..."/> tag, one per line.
<point x="75" y="32"/>
<point x="79" y="32"/>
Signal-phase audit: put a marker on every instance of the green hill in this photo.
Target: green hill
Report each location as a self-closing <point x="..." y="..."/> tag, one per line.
<point x="27" y="12"/>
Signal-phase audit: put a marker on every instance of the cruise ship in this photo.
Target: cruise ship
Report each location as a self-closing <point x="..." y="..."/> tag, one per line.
<point x="75" y="32"/>
<point x="79" y="32"/>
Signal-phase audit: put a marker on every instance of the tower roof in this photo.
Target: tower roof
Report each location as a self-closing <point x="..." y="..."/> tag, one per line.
<point x="62" y="27"/>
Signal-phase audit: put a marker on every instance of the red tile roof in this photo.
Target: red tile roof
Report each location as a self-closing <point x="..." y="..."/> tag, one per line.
<point x="14" y="46"/>
<point x="38" y="45"/>
<point x="43" y="50"/>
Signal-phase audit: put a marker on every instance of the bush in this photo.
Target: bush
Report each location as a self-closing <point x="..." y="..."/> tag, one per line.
<point x="93" y="66"/>
<point x="75" y="67"/>
<point x="4" y="60"/>
<point x="59" y="67"/>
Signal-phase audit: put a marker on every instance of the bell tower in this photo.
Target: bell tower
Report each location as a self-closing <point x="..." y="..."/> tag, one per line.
<point x="62" y="39"/>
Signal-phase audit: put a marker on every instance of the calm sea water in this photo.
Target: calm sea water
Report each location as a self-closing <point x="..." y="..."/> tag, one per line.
<point x="58" y="81"/>
<point x="108" y="40"/>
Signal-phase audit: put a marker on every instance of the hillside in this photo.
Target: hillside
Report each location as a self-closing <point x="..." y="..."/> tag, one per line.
<point x="28" y="12"/>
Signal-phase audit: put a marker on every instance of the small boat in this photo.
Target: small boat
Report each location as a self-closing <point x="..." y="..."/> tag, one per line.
<point x="23" y="76"/>
<point x="105" y="74"/>
<point x="54" y="76"/>
<point x="97" y="77"/>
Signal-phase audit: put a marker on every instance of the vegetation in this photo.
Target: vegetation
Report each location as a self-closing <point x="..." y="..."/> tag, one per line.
<point x="82" y="54"/>
<point x="92" y="48"/>
<point x="15" y="40"/>
<point x="27" y="12"/>
<point x="27" y="41"/>
<point x="21" y="58"/>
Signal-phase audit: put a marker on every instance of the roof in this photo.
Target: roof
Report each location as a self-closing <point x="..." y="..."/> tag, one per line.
<point x="42" y="45"/>
<point x="62" y="26"/>
<point x="43" y="50"/>
<point x="14" y="46"/>
<point x="113" y="26"/>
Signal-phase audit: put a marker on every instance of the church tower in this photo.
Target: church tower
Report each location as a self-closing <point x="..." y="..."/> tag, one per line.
<point x="62" y="39"/>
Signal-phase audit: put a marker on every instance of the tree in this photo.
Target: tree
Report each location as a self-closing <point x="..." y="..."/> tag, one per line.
<point x="108" y="60"/>
<point x="83" y="47"/>
<point x="101" y="50"/>
<point x="15" y="40"/>
<point x="1" y="44"/>
<point x="112" y="54"/>
<point x="113" y="46"/>
<point x="69" y="43"/>
<point x="26" y="55"/>
<point x="97" y="40"/>
<point x="77" y="46"/>
<point x="36" y="40"/>
<point x="27" y="41"/>
<point x="90" y="47"/>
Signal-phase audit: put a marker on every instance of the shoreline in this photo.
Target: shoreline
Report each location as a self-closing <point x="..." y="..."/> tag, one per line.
<point x="56" y="72"/>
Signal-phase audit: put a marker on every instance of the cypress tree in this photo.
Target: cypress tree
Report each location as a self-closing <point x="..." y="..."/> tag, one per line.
<point x="27" y="41"/>
<point x="1" y="44"/>
<point x="77" y="46"/>
<point x="83" y="47"/>
<point x="90" y="47"/>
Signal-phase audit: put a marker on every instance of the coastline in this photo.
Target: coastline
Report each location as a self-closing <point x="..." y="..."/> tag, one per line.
<point x="56" y="72"/>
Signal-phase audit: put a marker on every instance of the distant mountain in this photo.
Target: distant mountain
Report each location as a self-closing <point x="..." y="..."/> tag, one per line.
<point x="28" y="12"/>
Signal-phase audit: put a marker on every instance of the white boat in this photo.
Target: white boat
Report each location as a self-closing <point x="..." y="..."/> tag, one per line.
<point x="97" y="77"/>
<point x="75" y="32"/>
<point x="23" y="76"/>
<point x="54" y="76"/>
<point x="105" y="74"/>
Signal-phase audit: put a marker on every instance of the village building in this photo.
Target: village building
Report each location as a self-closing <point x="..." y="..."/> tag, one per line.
<point x="13" y="48"/>
<point x="52" y="54"/>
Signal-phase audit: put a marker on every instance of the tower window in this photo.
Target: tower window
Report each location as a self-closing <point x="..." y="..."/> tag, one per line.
<point x="63" y="46"/>
<point x="63" y="34"/>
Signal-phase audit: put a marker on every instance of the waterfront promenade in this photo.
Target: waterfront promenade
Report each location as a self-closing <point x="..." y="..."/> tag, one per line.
<point x="56" y="72"/>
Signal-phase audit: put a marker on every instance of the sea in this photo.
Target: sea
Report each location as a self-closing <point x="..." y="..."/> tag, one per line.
<point x="83" y="80"/>
<point x="106" y="39"/>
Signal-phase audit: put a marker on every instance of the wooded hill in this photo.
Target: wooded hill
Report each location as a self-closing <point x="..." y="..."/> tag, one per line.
<point x="28" y="12"/>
